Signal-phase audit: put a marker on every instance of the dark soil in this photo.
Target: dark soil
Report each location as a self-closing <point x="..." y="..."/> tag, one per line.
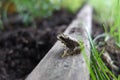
<point x="22" y="48"/>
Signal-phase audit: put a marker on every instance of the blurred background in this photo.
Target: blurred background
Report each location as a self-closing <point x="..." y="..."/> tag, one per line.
<point x="28" y="29"/>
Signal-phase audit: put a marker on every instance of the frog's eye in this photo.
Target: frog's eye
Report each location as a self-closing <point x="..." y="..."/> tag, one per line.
<point x="60" y="36"/>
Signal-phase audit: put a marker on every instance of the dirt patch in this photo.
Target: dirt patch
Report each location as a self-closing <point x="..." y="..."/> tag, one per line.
<point x="22" y="48"/>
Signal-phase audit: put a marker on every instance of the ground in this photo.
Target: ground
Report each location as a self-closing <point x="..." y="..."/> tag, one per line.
<point x="22" y="48"/>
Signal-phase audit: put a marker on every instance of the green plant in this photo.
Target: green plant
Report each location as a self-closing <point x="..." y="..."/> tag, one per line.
<point x="71" y="5"/>
<point x="113" y="30"/>
<point x="97" y="68"/>
<point x="42" y="8"/>
<point x="108" y="13"/>
<point x="115" y="27"/>
<point x="31" y="9"/>
<point x="102" y="10"/>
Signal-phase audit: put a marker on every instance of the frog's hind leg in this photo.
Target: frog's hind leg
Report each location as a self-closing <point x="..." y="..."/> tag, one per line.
<point x="65" y="53"/>
<point x="77" y="50"/>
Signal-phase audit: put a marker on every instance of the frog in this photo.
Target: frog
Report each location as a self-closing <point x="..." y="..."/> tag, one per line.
<point x="72" y="45"/>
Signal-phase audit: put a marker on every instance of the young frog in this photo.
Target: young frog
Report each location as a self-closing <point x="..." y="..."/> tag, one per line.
<point x="71" y="45"/>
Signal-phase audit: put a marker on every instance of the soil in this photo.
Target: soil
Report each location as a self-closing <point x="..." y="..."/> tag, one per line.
<point x="22" y="48"/>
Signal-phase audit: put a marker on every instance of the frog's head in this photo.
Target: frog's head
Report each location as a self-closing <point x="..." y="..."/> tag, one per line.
<point x="62" y="37"/>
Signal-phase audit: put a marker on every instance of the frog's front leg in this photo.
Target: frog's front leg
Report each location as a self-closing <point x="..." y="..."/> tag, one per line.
<point x="65" y="53"/>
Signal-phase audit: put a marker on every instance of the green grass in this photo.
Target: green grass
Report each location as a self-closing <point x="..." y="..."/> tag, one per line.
<point x="102" y="10"/>
<point x="96" y="66"/>
<point x="41" y="8"/>
<point x="107" y="13"/>
<point x="115" y="27"/>
<point x="72" y="5"/>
